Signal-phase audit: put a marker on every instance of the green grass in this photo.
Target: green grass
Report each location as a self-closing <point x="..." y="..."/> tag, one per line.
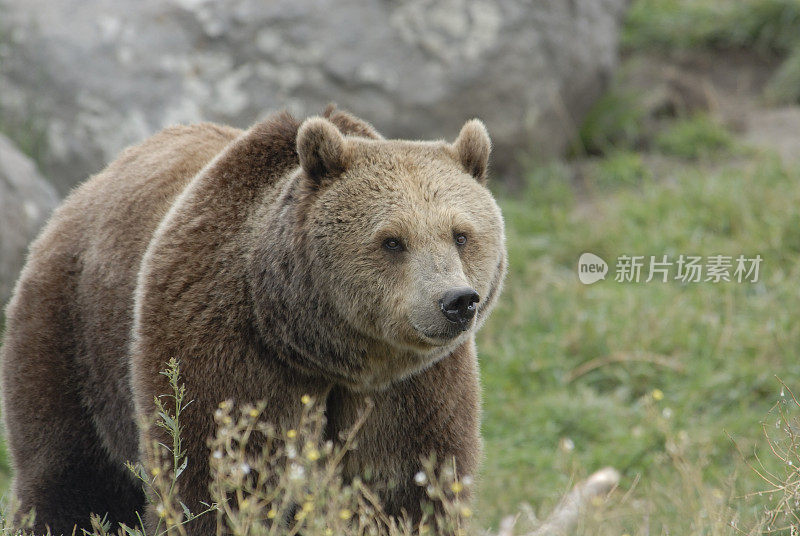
<point x="768" y="26"/>
<point x="713" y="350"/>
<point x="620" y="169"/>
<point x="694" y="137"/>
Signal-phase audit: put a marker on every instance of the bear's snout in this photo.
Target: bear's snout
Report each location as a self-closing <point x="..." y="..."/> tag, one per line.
<point x="458" y="305"/>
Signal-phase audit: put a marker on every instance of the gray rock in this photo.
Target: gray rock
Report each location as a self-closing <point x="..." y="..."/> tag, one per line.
<point x="26" y="201"/>
<point x="101" y="74"/>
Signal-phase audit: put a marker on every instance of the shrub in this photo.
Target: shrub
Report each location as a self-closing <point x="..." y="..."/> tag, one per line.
<point x="783" y="484"/>
<point x="293" y="484"/>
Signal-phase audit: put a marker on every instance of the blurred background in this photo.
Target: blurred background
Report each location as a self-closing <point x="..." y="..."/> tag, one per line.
<point x="645" y="127"/>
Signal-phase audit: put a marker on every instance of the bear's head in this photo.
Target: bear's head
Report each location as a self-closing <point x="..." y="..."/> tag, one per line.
<point x="404" y="249"/>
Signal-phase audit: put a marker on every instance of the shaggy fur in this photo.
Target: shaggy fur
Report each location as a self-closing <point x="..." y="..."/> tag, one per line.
<point x="257" y="259"/>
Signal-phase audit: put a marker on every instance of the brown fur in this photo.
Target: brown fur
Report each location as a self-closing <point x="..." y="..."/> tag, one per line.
<point x="267" y="279"/>
<point x="472" y="149"/>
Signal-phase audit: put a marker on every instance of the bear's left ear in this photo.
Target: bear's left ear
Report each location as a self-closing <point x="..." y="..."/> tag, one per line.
<point x="472" y="149"/>
<point x="322" y="150"/>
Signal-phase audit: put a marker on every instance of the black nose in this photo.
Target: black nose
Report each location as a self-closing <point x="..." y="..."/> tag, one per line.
<point x="458" y="305"/>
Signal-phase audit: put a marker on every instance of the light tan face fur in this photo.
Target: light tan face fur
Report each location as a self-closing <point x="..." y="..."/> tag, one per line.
<point x="417" y="195"/>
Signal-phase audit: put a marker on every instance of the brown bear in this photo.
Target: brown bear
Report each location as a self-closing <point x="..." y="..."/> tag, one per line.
<point x="289" y="259"/>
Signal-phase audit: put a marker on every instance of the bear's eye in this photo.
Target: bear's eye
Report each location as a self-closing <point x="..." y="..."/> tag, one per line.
<point x="393" y="244"/>
<point x="460" y="239"/>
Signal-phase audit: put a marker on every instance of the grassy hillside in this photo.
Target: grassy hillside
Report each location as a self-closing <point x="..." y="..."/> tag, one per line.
<point x="651" y="378"/>
<point x="671" y="383"/>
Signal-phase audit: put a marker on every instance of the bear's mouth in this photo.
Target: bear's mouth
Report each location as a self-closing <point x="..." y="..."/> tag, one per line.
<point x="442" y="336"/>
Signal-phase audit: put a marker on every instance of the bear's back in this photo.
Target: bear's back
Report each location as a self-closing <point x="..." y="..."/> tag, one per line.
<point x="83" y="270"/>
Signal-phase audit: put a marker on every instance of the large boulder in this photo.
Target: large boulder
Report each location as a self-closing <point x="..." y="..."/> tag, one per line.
<point x="26" y="201"/>
<point x="97" y="75"/>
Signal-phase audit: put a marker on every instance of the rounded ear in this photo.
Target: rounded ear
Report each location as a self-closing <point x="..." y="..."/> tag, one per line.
<point x="472" y="149"/>
<point x="349" y="124"/>
<point x="321" y="148"/>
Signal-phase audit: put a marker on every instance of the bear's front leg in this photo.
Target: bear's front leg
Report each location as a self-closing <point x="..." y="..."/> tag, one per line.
<point x="268" y="381"/>
<point x="433" y="413"/>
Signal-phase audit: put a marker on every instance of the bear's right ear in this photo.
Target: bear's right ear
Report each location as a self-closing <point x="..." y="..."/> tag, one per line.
<point x="321" y="148"/>
<point x="472" y="149"/>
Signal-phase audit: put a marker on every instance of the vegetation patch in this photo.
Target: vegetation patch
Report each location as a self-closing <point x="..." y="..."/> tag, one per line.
<point x="651" y="378"/>
<point x="768" y="26"/>
<point x="694" y="137"/>
<point x="615" y="121"/>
